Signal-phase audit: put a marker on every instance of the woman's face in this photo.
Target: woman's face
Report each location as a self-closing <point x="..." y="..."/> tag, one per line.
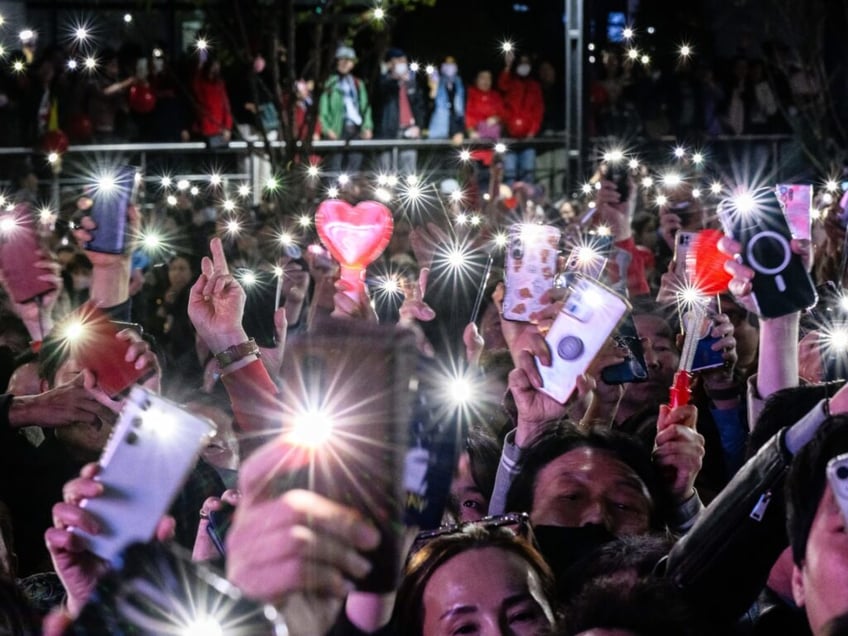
<point x="485" y="592"/>
<point x="179" y="273"/>
<point x="484" y="80"/>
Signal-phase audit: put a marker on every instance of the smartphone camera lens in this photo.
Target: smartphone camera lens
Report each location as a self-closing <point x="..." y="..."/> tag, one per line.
<point x="842" y="472"/>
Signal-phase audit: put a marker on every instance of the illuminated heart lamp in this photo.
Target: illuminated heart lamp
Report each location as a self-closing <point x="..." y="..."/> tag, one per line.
<point x="705" y="263"/>
<point x="355" y="236"/>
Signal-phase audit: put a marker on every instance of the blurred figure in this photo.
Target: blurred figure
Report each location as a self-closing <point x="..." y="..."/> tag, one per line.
<point x="448" y="91"/>
<point x="524" y="111"/>
<point x="344" y="111"/>
<point x="402" y="111"/>
<point x="107" y="99"/>
<point x="484" y="115"/>
<point x="214" y="120"/>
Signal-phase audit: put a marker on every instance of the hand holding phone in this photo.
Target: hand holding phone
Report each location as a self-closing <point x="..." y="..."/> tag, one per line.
<point x="781" y="284"/>
<point x="151" y="451"/>
<point x="93" y="343"/>
<point x="20" y="253"/>
<point x="590" y="314"/>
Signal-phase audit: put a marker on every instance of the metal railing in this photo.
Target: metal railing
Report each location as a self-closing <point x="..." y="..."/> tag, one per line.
<point x="246" y="162"/>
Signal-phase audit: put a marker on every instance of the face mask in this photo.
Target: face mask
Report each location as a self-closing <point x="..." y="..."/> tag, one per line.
<point x="564" y="548"/>
<point x="401" y="68"/>
<point x="449" y="70"/>
<point x="523" y="70"/>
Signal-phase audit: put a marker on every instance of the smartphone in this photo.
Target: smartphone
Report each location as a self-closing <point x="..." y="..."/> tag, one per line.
<point x="348" y="404"/>
<point x="530" y="268"/>
<point x="796" y="201"/>
<point x="837" y="475"/>
<point x="683" y="242"/>
<point x="263" y="291"/>
<point x="218" y="525"/>
<point x="781" y="285"/>
<point x="832" y="350"/>
<point x="19" y="253"/>
<point x="619" y="173"/>
<point x="633" y="368"/>
<point x="705" y="357"/>
<point x="111" y="196"/>
<point x="150" y="453"/>
<point x="91" y="337"/>
<point x="481" y="290"/>
<point x="590" y="314"/>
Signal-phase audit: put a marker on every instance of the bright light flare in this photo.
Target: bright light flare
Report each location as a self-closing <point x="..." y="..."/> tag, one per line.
<point x="716" y="187"/>
<point x="457" y="196"/>
<point x="165" y="182"/>
<point x="304" y="221"/>
<point x="679" y="152"/>
<point x="214" y="179"/>
<point x="8" y="225"/>
<point x="229" y="205"/>
<point x="53" y="157"/>
<point x="661" y="200"/>
<point x="206" y="626"/>
<point x="647" y="182"/>
<point x="285" y="239"/>
<point x="26" y="35"/>
<point x="379" y="14"/>
<point x="831" y="186"/>
<point x="645" y="59"/>
<point x="672" y="179"/>
<point x="383" y="195"/>
<point x="744" y="202"/>
<point x="332" y="192"/>
<point x="587" y="188"/>
<point x="633" y="54"/>
<point x="90" y="63"/>
<point x="500" y="148"/>
<point x="465" y="155"/>
<point x="698" y="158"/>
<point x="614" y="156"/>
<point x="344" y="179"/>
<point x="18" y="66"/>
<point x="248" y="278"/>
<point x="696" y="193"/>
<point x="311" y="429"/>
<point x="233" y="227"/>
<point x="628" y="32"/>
<point x="244" y="190"/>
<point x="201" y="44"/>
<point x="685" y="51"/>
<point x="507" y="46"/>
<point x="272" y="184"/>
<point x="313" y="171"/>
<point x="633" y="164"/>
<point x="183" y="184"/>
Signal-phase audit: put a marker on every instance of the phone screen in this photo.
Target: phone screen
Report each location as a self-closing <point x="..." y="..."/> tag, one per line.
<point x="111" y="195"/>
<point x="262" y="290"/>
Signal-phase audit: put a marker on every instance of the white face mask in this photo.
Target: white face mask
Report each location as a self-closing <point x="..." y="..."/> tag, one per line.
<point x="523" y="70"/>
<point x="449" y="70"/>
<point x="401" y="68"/>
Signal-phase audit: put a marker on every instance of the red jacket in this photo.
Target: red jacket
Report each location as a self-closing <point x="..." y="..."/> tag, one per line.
<point x="523" y="103"/>
<point x="213" y="106"/>
<point x="479" y="106"/>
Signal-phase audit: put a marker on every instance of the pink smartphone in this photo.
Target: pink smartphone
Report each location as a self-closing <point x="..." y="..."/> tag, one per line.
<point x="19" y="253"/>
<point x="530" y="268"/>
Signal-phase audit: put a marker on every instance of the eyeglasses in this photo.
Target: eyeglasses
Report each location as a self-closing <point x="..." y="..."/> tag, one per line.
<point x="518" y="522"/>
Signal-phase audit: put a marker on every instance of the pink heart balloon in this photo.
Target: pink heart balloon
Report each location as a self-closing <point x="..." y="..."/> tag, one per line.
<point x="355" y="236"/>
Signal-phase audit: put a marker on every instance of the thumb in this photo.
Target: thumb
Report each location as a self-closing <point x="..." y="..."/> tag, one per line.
<point x="166" y="528"/>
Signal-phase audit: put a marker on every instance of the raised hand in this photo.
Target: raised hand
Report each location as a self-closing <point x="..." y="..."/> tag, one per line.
<point x="679" y="450"/>
<point x="216" y="302"/>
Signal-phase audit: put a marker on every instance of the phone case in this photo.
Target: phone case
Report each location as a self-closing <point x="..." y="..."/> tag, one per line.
<point x="683" y="242"/>
<point x="781" y="284"/>
<point x="97" y="349"/>
<point x="837" y="475"/>
<point x="531" y="266"/>
<point x="150" y="453"/>
<point x="796" y="201"/>
<point x="591" y="313"/>
<point x="588" y="259"/>
<point x="109" y="212"/>
<point x="356" y="376"/>
<point x="18" y="255"/>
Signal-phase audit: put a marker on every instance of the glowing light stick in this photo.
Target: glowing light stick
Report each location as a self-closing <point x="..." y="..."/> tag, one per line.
<point x="355" y="236"/>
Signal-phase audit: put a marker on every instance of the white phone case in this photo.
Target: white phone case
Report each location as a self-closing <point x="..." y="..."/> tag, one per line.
<point x="590" y="314"/>
<point x="150" y="453"/>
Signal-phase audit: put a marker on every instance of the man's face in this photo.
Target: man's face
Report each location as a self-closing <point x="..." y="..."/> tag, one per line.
<point x="661" y="358"/>
<point x="819" y="584"/>
<point x="591" y="486"/>
<point x="466" y="497"/>
<point x="84" y="440"/>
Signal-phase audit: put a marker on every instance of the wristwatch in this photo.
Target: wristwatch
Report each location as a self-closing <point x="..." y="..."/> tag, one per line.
<point x="237" y="352"/>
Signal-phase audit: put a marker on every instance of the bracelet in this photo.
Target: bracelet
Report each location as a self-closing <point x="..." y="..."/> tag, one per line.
<point x="724" y="394"/>
<point x="237" y="352"/>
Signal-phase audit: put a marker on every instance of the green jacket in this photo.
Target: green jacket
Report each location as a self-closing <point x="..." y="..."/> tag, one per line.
<point x="331" y="106"/>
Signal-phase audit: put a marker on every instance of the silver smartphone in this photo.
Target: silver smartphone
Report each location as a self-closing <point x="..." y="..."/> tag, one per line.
<point x="151" y="451"/>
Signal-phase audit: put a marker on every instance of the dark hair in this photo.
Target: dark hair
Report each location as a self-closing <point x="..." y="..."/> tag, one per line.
<point x="16" y="614"/>
<point x="805" y="483"/>
<point x="408" y="615"/>
<point x="7" y="536"/>
<point x="563" y="437"/>
<point x="646" y="607"/>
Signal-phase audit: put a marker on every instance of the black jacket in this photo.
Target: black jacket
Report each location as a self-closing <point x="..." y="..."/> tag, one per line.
<point x="388" y="123"/>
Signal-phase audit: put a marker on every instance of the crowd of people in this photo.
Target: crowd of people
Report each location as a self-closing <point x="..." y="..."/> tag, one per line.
<point x="131" y="96"/>
<point x="616" y="512"/>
